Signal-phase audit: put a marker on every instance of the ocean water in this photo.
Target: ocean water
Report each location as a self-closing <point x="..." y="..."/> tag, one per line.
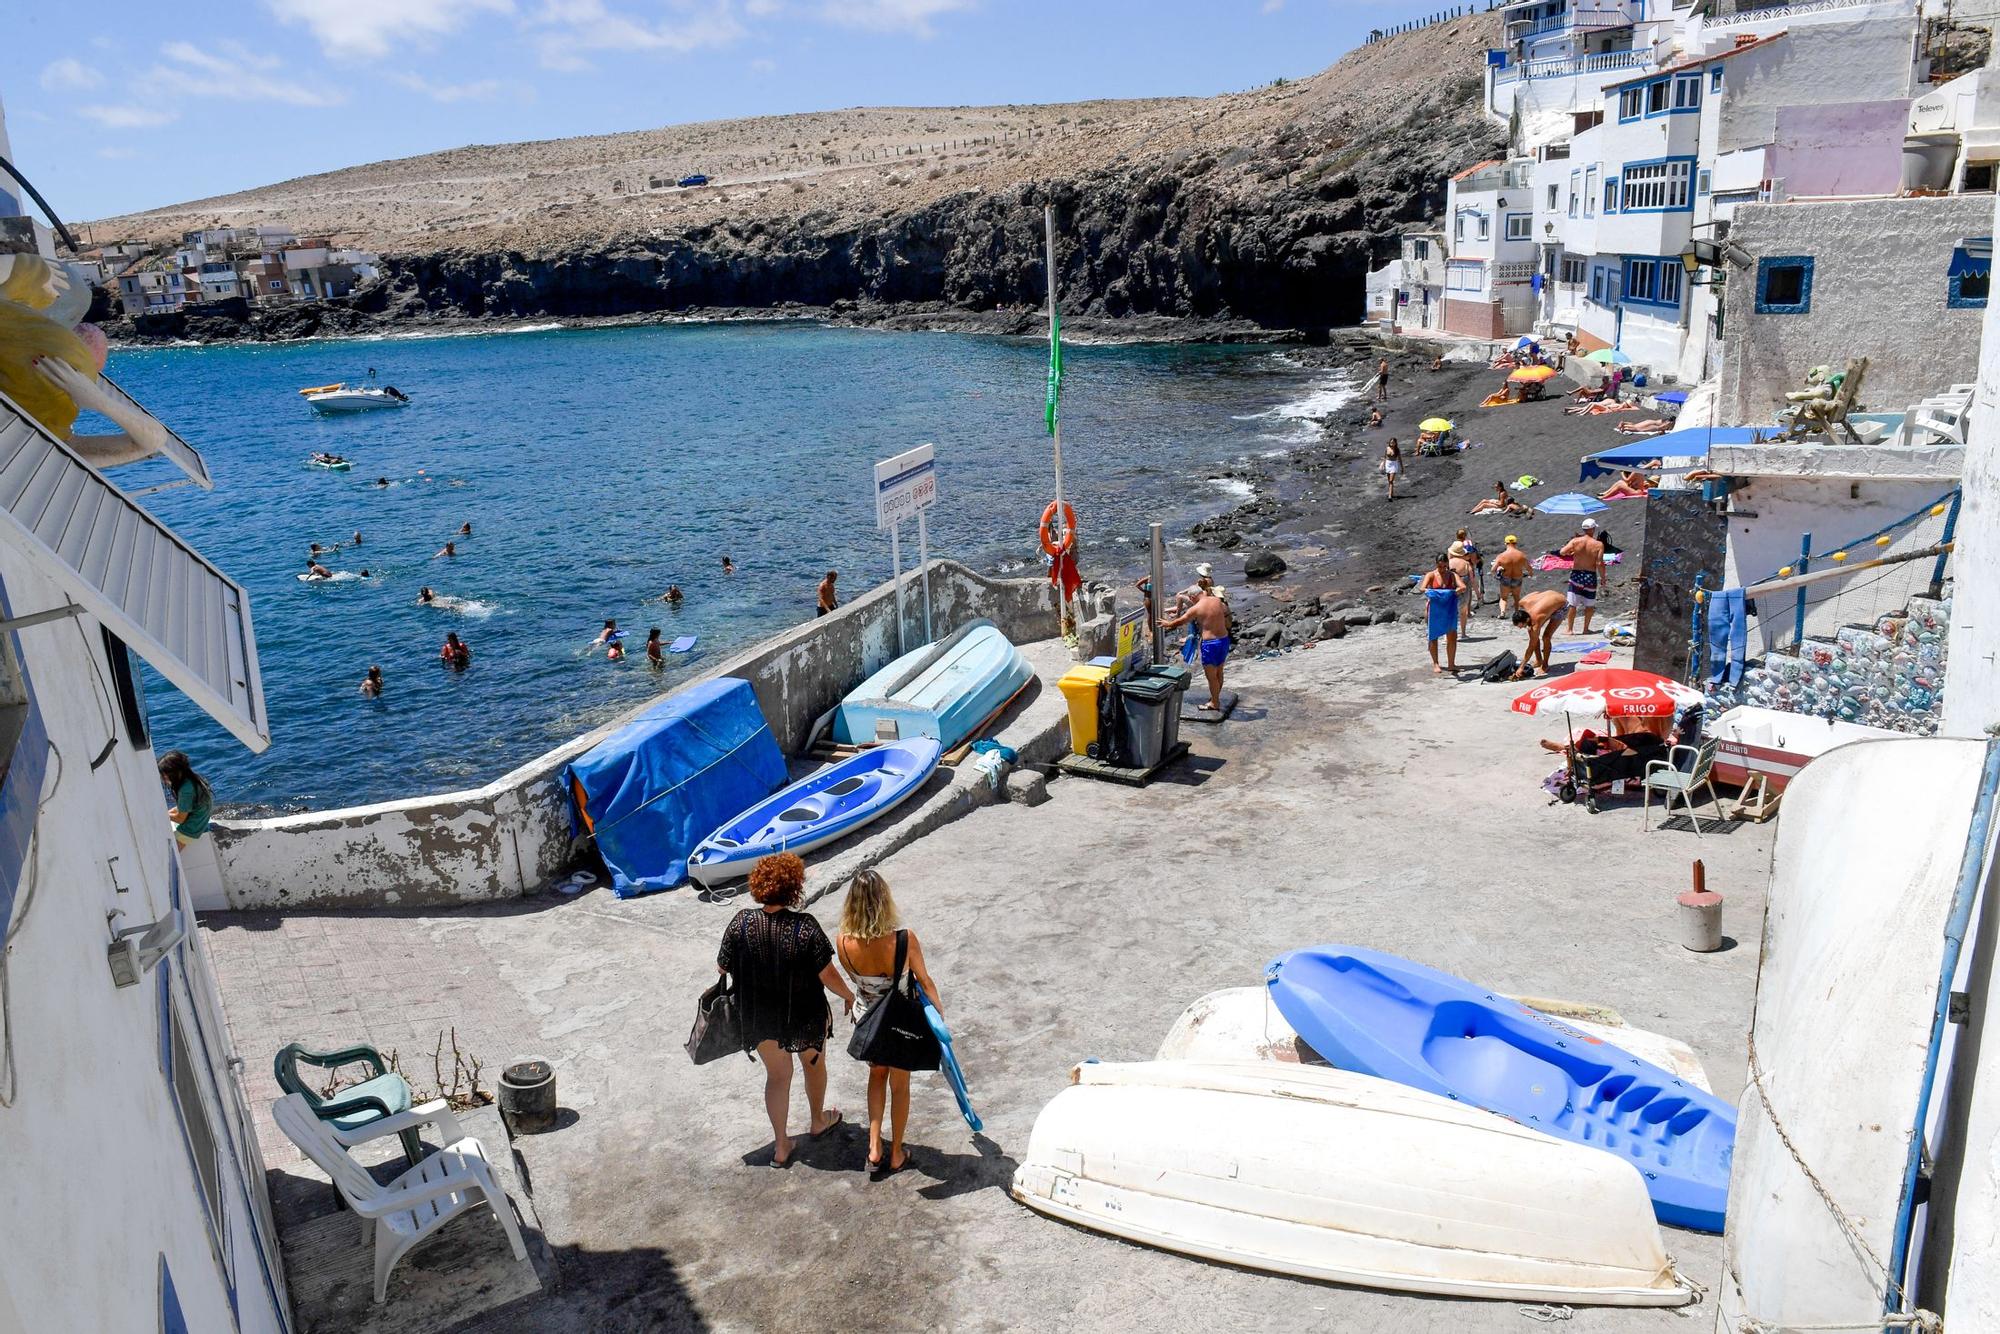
<point x="597" y="466"/>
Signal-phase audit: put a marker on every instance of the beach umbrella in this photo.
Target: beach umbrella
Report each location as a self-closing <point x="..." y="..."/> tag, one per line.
<point x="1608" y="692"/>
<point x="1527" y="340"/>
<point x="1533" y="374"/>
<point x="1572" y="502"/>
<point x="1434" y="424"/>
<point x="1609" y="356"/>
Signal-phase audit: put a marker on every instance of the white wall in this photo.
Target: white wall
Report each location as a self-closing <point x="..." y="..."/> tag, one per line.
<point x="1786" y="508"/>
<point x="1872" y="55"/>
<point x="1972" y="691"/>
<point x="1878" y="291"/>
<point x="98" y="1183"/>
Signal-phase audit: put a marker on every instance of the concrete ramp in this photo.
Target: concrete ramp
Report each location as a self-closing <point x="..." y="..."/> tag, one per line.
<point x="1869" y="848"/>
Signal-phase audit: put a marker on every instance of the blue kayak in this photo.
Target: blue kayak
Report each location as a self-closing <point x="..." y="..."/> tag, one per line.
<point x="948" y="690"/>
<point x="819" y="808"/>
<point x="1380" y="1015"/>
<point x="948" y="1062"/>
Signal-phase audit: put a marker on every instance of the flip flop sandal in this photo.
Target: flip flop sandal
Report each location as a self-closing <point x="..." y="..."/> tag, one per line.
<point x="837" y="1119"/>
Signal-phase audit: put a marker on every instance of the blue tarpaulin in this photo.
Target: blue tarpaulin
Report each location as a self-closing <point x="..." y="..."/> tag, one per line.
<point x="1693" y="442"/>
<point x="655" y="788"/>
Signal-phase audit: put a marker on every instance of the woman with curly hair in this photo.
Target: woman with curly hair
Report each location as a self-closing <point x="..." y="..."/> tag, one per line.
<point x="869" y="928"/>
<point x="783" y="968"/>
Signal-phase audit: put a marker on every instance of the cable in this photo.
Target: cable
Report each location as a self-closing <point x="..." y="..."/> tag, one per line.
<point x="43" y="204"/>
<point x="9" y="1083"/>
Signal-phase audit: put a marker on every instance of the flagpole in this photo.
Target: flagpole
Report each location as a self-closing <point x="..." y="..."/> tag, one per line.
<point x="1069" y="622"/>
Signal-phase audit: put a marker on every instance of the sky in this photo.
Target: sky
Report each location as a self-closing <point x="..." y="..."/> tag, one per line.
<point x="132" y="104"/>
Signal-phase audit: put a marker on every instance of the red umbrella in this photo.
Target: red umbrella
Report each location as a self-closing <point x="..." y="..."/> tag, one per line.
<point x="1609" y="692"/>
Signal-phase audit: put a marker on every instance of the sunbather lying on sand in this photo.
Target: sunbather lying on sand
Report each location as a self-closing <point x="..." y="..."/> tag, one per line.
<point x="1631" y="486"/>
<point x="1499" y="503"/>
<point x="1651" y="426"/>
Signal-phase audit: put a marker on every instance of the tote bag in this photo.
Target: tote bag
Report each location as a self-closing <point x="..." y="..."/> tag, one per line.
<point x="895" y="1032"/>
<point x="718" y="1024"/>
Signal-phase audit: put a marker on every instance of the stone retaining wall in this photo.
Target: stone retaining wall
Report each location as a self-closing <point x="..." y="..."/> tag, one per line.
<point x="503" y="839"/>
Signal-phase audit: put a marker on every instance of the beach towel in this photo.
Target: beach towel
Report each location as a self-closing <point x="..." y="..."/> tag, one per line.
<point x="1596" y="657"/>
<point x="1443" y="618"/>
<point x="1728" y="630"/>
<point x="1551" y="561"/>
<point x="1579" y="645"/>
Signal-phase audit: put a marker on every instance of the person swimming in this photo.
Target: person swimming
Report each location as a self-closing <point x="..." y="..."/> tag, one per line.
<point x="425" y="597"/>
<point x="614" y="651"/>
<point x="465" y="529"/>
<point x="654" y="656"/>
<point x="673" y="597"/>
<point x="381" y="481"/>
<point x="364" y="573"/>
<point x="314" y="570"/>
<point x="449" y="549"/>
<point x="609" y="634"/>
<point x="455" y="654"/>
<point x="357" y="537"/>
<point x="728" y="565"/>
<point x="371" y="684"/>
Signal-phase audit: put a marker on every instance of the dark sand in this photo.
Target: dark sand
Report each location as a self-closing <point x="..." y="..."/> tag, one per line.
<point x="1345" y="541"/>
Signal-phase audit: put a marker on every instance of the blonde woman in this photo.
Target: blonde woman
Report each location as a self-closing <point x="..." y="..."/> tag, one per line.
<point x="866" y="947"/>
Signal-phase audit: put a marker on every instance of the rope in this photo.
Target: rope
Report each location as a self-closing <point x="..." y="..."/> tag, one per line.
<point x="1926" y="1322"/>
<point x="1548" y="1315"/>
<point x="1879" y="1278"/>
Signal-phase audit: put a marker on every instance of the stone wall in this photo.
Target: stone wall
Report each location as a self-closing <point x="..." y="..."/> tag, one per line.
<point x="1878" y="291"/>
<point x="503" y="839"/>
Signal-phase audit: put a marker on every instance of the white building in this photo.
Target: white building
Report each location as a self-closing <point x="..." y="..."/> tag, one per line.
<point x="134" y="1192"/>
<point x="149" y="291"/>
<point x="1489" y="273"/>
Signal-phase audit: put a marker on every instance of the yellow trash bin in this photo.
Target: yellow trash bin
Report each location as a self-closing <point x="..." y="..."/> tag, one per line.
<point x="1080" y="685"/>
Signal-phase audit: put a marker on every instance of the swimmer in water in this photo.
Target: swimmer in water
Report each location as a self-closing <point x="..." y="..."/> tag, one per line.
<point x="381" y="481"/>
<point x="425" y="597"/>
<point x="654" y="657"/>
<point x="364" y="573"/>
<point x="357" y="537"/>
<point x="673" y="596"/>
<point x="465" y="529"/>
<point x="314" y="570"/>
<point x="450" y="549"/>
<point x="455" y="654"/>
<point x="614" y="651"/>
<point x="609" y="634"/>
<point x="316" y="550"/>
<point x="371" y="684"/>
<point x="728" y="565"/>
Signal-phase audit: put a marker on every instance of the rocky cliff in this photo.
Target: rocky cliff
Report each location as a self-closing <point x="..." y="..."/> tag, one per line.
<point x="1263" y="208"/>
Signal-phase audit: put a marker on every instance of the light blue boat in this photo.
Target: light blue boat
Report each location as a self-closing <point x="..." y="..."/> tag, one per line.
<point x="823" y="806"/>
<point x="945" y="690"/>
<point x="1381" y="1015"/>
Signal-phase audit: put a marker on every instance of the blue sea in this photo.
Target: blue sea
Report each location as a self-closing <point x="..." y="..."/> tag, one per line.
<point x="598" y="466"/>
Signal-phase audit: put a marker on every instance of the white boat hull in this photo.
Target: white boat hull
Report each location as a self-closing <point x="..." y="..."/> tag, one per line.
<point x="354" y="401"/>
<point x="1325" y="1174"/>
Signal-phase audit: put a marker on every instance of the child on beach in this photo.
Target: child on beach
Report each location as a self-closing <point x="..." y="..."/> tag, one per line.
<point x="1392" y="464"/>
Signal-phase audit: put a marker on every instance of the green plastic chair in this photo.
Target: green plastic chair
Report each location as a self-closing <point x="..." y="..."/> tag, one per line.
<point x="383" y="1093"/>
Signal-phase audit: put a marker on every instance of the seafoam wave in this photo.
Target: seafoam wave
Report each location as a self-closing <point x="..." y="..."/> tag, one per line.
<point x="1234" y="486"/>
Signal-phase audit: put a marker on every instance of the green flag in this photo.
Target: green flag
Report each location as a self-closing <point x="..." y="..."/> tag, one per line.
<point x="1055" y="364"/>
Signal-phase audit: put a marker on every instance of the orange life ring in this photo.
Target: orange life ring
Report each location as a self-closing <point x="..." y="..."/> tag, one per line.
<point x="1067" y="542"/>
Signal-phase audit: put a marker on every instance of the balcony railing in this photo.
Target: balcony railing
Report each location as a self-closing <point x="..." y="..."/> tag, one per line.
<point x="1569" y="68"/>
<point x="1769" y="12"/>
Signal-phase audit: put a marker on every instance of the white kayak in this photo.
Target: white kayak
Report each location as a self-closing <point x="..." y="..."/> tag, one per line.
<point x="1326" y="1174"/>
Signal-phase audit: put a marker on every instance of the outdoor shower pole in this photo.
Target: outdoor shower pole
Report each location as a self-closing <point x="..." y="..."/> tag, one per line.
<point x="1950" y="525"/>
<point x="1156" y="605"/>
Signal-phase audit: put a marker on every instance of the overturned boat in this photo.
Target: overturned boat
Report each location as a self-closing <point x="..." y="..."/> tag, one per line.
<point x="948" y="691"/>
<point x="1326" y="1174"/>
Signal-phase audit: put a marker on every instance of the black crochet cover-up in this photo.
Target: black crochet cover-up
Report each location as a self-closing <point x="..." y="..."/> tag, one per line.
<point x="776" y="959"/>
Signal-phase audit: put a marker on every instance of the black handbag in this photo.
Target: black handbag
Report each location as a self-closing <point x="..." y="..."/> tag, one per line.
<point x="718" y="1024"/>
<point x="895" y="1031"/>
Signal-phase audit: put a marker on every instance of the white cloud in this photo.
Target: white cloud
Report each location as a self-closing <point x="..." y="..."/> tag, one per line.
<point x="571" y="28"/>
<point x="69" y="75"/>
<point x="370" y="29"/>
<point x="908" y="16"/>
<point x="231" y="71"/>
<point x="129" y="117"/>
<point x="477" y="91"/>
<point x="763" y="65"/>
<point x="1272" y="6"/>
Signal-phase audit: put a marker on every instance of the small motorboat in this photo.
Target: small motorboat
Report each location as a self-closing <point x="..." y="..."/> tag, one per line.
<point x="343" y="397"/>
<point x="1381" y="1015"/>
<point x="948" y="690"/>
<point x="819" y="808"/>
<point x="1330" y="1175"/>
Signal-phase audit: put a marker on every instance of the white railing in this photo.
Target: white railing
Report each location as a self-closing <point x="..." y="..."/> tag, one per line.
<point x="1783" y="12"/>
<point x="1575" y="65"/>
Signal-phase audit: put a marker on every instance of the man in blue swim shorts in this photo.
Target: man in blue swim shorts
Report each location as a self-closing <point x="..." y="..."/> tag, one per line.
<point x="1210" y="616"/>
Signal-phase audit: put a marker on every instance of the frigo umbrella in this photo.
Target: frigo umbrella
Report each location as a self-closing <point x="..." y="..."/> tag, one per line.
<point x="1533" y="374"/>
<point x="1608" y="692"/>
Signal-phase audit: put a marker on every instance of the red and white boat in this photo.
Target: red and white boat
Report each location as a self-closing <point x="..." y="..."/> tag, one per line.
<point x="1775" y="744"/>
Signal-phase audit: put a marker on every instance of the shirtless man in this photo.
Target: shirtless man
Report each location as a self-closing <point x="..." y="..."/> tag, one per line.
<point x="828" y="597"/>
<point x="1468" y="578"/>
<point x="1210" y="615"/>
<point x="1382" y="380"/>
<point x="1510" y="568"/>
<point x="1587" y="554"/>
<point x="1539" y="612"/>
<point x="449" y="549"/>
<point x="314" y="570"/>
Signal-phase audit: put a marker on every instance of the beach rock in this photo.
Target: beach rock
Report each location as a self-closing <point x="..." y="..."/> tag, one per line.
<point x="1026" y="787"/>
<point x="1299" y="632"/>
<point x="1386" y="616"/>
<point x="1333" y="627"/>
<point x="1263" y="636"/>
<point x="1263" y="565"/>
<point x="1354" y="615"/>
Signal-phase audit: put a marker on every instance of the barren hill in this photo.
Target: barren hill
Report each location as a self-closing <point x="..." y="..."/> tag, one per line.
<point x="1263" y="205"/>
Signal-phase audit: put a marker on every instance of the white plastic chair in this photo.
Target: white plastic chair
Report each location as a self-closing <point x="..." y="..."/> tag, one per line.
<point x="413" y="1207"/>
<point x="1663" y="776"/>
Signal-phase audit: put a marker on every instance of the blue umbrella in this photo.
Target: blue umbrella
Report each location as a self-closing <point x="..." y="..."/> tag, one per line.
<point x="1526" y="341"/>
<point x="1572" y="502"/>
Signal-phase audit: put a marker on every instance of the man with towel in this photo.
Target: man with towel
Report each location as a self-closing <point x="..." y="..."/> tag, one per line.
<point x="1210" y="616"/>
<point x="1586" y="554"/>
<point x="1442" y="589"/>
